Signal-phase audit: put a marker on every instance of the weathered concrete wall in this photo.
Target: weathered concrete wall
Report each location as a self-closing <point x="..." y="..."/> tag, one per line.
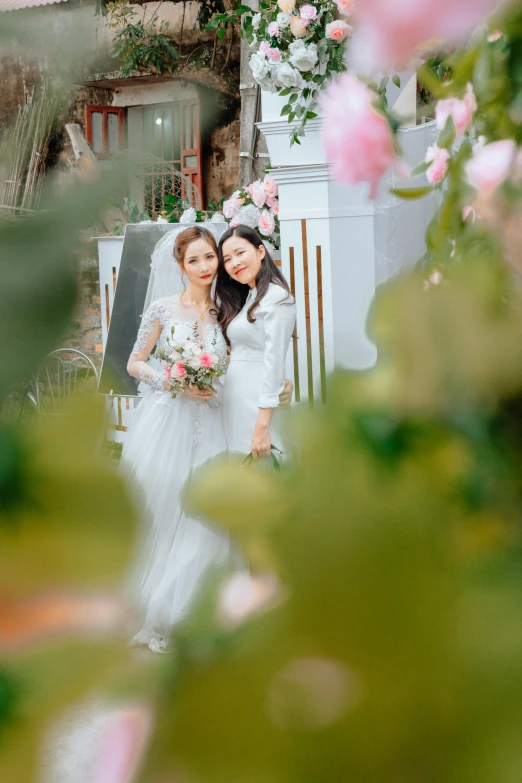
<point x="221" y="164"/>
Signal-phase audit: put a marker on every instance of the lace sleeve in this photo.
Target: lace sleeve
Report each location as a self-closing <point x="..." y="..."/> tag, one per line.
<point x="148" y="335"/>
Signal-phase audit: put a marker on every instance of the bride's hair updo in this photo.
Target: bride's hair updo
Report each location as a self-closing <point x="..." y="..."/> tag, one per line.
<point x="190" y="235"/>
<point x="231" y="295"/>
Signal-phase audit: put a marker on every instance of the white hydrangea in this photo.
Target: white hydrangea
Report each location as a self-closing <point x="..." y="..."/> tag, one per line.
<point x="259" y="66"/>
<point x="189" y="216"/>
<point x="302" y="56"/>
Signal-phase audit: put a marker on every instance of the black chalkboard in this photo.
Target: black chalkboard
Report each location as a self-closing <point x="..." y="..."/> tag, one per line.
<point x="129" y="298"/>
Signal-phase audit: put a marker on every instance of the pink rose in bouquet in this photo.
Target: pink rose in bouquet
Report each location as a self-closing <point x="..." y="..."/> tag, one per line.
<point x="180" y="370"/>
<point x="264" y="47"/>
<point x="232" y="204"/>
<point x="273" y="30"/>
<point x="308" y="13"/>
<point x="274" y="55"/>
<point x="338" y="30"/>
<point x="357" y="138"/>
<point x="206" y="360"/>
<point x="345" y="6"/>
<point x="266" y="223"/>
<point x="273" y="203"/>
<point x="257" y="193"/>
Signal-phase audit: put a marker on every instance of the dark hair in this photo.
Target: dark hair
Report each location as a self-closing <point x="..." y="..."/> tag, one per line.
<point x="231" y="295"/>
<point x="190" y="235"/>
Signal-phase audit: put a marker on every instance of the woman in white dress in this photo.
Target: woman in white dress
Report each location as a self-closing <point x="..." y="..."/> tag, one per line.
<point x="168" y="439"/>
<point x="256" y="313"/>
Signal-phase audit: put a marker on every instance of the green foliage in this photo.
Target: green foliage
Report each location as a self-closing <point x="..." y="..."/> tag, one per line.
<point x="142" y="46"/>
<point x="131" y="212"/>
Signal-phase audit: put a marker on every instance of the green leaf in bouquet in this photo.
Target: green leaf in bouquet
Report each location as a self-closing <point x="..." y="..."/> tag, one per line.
<point x="396" y="79"/>
<point x="447" y="135"/>
<point x="411" y="193"/>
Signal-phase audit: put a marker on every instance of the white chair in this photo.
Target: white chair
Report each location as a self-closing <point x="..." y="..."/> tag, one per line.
<point x="63" y="374"/>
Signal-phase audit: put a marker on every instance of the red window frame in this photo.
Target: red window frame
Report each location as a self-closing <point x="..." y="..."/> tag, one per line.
<point x="105" y="111"/>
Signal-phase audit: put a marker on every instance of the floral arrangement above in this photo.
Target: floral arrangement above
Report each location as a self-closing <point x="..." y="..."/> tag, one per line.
<point x="256" y="206"/>
<point x="299" y="47"/>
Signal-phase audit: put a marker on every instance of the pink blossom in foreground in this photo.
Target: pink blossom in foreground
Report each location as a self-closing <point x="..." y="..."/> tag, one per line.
<point x="123" y="746"/>
<point x="274" y="55"/>
<point x="257" y="193"/>
<point x="491" y="164"/>
<point x="273" y="29"/>
<point x="243" y="596"/>
<point x="266" y="223"/>
<point x="232" y="204"/>
<point x="345" y="7"/>
<point x="270" y="186"/>
<point x="439" y="164"/>
<point x="388" y="33"/>
<point x="338" y="30"/>
<point x="308" y="13"/>
<point x="357" y="138"/>
<point x="264" y="47"/>
<point x="461" y="111"/>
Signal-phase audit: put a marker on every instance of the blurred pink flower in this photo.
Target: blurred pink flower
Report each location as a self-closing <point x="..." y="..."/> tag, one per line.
<point x="124" y="746"/>
<point x="338" y="30"/>
<point x="345" y="6"/>
<point x="274" y="55"/>
<point x="232" y="204"/>
<point x="266" y="223"/>
<point x="491" y="164"/>
<point x="439" y="164"/>
<point x="264" y="47"/>
<point x="257" y="193"/>
<point x="298" y="26"/>
<point x="308" y="12"/>
<point x="270" y="186"/>
<point x="467" y="212"/>
<point x="357" y="138"/>
<point x="273" y="203"/>
<point x="206" y="360"/>
<point x="388" y="33"/>
<point x="273" y="29"/>
<point x="243" y="596"/>
<point x="461" y="111"/>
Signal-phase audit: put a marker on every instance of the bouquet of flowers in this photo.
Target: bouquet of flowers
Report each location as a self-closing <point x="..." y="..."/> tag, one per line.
<point x="190" y="363"/>
<point x="256" y="206"/>
<point x="299" y="47"/>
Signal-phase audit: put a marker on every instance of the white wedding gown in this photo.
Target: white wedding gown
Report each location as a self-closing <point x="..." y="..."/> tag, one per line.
<point x="256" y="373"/>
<point x="167" y="440"/>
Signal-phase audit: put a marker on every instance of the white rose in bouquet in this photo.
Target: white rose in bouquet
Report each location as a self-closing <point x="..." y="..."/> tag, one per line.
<point x="283" y="20"/>
<point x="259" y="66"/>
<point x="195" y="362"/>
<point x="302" y="56"/>
<point x="286" y="76"/>
<point x="247" y="216"/>
<point x="189" y="216"/>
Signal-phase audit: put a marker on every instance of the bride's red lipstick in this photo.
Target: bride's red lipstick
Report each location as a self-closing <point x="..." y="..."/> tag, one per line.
<point x="205" y="277"/>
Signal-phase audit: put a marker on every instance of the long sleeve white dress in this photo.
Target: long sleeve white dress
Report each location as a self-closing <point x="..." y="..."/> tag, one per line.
<point x="167" y="440"/>
<point x="256" y="373"/>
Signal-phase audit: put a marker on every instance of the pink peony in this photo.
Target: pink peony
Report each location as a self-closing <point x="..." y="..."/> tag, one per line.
<point x="180" y="370"/>
<point x="439" y="164"/>
<point x="461" y="111"/>
<point x="308" y="13"/>
<point x="357" y="138"/>
<point x="338" y="30"/>
<point x="206" y="360"/>
<point x="273" y="203"/>
<point x="491" y="164"/>
<point x="345" y="6"/>
<point x="273" y="29"/>
<point x="264" y="47"/>
<point x="270" y="186"/>
<point x="298" y="26"/>
<point x="257" y="193"/>
<point x="388" y="33"/>
<point x="274" y="55"/>
<point x="266" y="223"/>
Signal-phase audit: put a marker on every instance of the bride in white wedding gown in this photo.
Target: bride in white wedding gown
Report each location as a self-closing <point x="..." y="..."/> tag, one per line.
<point x="168" y="439"/>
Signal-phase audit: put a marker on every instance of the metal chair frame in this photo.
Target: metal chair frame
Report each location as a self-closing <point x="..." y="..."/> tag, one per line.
<point x="51" y="389"/>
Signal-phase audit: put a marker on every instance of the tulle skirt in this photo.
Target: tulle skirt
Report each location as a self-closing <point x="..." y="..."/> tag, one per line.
<point x="168" y="439"/>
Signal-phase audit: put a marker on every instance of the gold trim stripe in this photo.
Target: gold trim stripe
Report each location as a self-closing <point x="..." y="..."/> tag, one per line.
<point x="318" y="253"/>
<point x="297" y="391"/>
<point x="307" y="314"/>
